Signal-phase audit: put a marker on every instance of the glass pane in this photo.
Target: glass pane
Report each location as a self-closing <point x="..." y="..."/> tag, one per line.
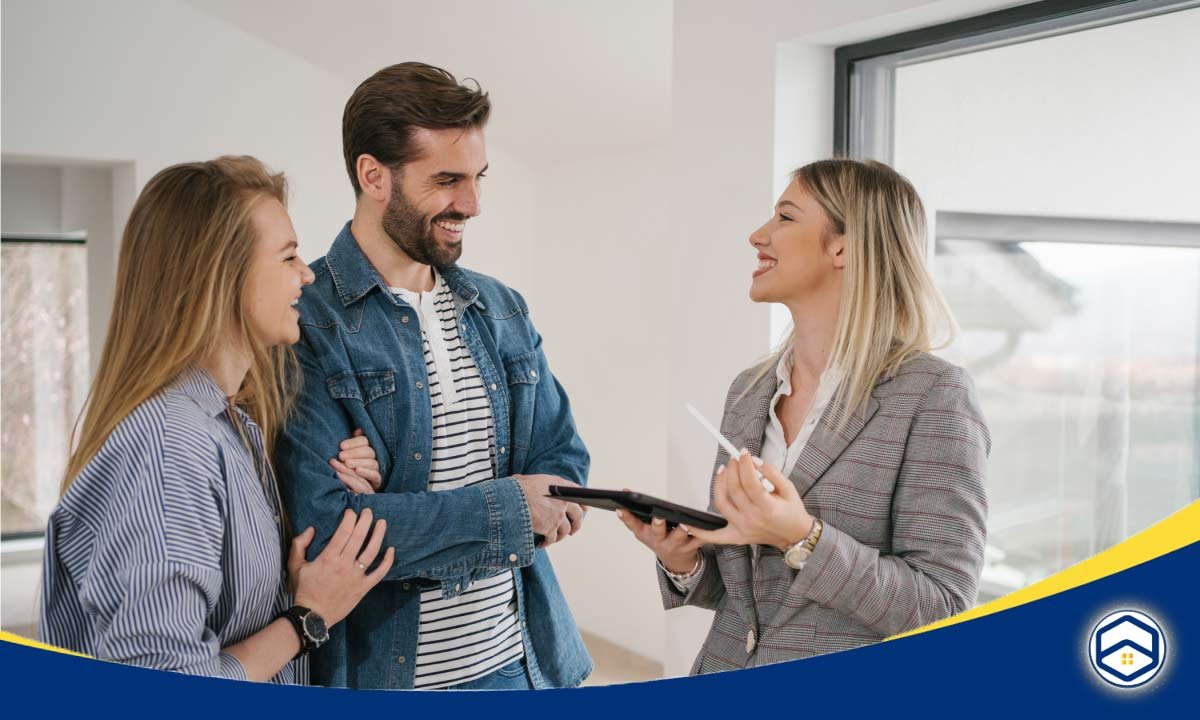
<point x="1085" y="353"/>
<point x="1085" y="357"/>
<point x="45" y="374"/>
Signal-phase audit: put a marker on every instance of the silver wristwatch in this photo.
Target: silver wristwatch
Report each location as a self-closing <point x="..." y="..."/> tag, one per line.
<point x="797" y="554"/>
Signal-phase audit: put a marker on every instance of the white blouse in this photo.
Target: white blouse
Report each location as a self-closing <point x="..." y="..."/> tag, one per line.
<point x="775" y="449"/>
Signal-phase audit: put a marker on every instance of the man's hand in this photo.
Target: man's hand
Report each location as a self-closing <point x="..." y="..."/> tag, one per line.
<point x="553" y="519"/>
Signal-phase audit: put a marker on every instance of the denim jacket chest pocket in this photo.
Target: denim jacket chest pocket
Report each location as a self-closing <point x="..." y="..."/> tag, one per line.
<point x="523" y="377"/>
<point x="369" y="397"/>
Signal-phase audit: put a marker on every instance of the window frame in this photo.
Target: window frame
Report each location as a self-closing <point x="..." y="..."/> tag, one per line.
<point x="1002" y="27"/>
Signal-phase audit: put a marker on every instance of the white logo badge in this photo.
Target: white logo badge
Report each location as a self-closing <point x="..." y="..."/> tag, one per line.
<point x="1127" y="648"/>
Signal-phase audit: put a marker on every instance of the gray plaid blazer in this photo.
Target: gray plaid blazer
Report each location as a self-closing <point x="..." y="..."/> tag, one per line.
<point x="901" y="494"/>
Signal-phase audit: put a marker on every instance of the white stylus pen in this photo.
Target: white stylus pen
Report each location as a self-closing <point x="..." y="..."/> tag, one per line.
<point x="729" y="448"/>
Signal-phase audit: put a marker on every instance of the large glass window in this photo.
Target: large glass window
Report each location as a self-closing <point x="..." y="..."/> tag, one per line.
<point x="1056" y="157"/>
<point x="1087" y="375"/>
<point x="44" y="348"/>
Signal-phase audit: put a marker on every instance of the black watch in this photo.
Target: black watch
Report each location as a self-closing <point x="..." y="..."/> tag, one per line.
<point x="309" y="626"/>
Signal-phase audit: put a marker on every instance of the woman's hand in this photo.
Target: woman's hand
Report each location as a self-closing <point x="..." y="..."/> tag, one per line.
<point x="676" y="550"/>
<point x="334" y="583"/>
<point x="356" y="465"/>
<point x="756" y="517"/>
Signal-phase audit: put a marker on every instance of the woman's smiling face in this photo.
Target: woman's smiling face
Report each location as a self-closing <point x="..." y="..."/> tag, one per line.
<point x="799" y="254"/>
<point x="276" y="276"/>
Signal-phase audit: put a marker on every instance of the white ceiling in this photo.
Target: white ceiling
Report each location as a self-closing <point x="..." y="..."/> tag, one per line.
<point x="566" y="77"/>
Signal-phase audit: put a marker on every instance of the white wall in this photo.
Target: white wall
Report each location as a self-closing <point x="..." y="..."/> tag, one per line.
<point x="159" y="82"/>
<point x="31" y="199"/>
<point x="599" y="297"/>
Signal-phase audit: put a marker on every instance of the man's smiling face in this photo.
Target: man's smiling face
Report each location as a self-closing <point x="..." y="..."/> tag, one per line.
<point x="434" y="195"/>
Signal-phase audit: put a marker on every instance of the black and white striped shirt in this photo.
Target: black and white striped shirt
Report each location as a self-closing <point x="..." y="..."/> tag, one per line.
<point x="166" y="548"/>
<point x="477" y="632"/>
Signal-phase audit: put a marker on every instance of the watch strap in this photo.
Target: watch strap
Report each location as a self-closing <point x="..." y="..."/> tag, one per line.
<point x="295" y="615"/>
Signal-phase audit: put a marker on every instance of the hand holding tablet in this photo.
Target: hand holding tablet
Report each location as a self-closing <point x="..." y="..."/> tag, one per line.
<point x="643" y="507"/>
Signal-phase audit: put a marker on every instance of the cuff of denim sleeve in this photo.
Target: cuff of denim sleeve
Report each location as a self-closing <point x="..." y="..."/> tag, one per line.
<point x="831" y="567"/>
<point x="685" y="582"/>
<point x="510" y="529"/>
<point x="231" y="667"/>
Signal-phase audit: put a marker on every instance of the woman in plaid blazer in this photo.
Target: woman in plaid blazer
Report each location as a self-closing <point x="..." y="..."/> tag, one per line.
<point x="875" y="450"/>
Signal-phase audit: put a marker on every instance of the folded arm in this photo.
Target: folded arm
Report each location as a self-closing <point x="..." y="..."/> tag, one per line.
<point x="448" y="536"/>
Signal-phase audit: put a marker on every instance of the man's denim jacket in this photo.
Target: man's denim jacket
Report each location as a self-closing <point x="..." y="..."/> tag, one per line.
<point x="363" y="367"/>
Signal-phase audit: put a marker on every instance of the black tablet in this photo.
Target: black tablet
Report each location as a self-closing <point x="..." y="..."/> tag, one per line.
<point x="643" y="507"/>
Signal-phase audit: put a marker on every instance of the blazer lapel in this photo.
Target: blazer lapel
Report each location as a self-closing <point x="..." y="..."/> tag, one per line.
<point x="743" y="423"/>
<point x="827" y="444"/>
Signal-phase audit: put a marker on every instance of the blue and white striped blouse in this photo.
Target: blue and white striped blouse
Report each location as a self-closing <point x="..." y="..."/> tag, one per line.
<point x="166" y="548"/>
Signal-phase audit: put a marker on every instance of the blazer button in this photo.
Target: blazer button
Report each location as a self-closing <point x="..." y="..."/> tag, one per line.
<point x="750" y="642"/>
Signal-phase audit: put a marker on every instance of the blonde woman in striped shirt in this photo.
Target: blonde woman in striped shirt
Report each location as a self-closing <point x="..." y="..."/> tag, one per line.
<point x="167" y="547"/>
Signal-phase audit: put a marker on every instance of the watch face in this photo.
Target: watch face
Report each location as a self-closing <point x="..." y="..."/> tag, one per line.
<point x="796" y="557"/>
<point x="314" y="627"/>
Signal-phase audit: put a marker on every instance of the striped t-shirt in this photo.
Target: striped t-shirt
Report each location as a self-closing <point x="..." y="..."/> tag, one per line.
<point x="477" y="632"/>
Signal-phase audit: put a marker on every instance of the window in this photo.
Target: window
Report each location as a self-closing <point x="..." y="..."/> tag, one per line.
<point x="1053" y="145"/>
<point x="45" y="371"/>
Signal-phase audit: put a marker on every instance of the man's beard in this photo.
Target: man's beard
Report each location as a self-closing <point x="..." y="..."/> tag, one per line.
<point x="413" y="232"/>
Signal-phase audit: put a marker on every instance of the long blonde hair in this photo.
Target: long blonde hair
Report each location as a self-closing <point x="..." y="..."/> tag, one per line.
<point x="890" y="308"/>
<point x="185" y="256"/>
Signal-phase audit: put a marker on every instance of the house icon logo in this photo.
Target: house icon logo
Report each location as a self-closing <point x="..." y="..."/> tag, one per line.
<point x="1127" y="648"/>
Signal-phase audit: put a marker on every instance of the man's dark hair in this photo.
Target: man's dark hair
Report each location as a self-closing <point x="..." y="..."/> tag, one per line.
<point x="385" y="109"/>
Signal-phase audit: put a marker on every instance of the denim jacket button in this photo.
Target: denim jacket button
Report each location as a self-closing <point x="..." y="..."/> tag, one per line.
<point x="416" y="456"/>
<point x="407" y="586"/>
<point x="513" y="557"/>
<point x="401" y="659"/>
<point x="404" y="319"/>
<point x="502" y="450"/>
<point x="420" y="384"/>
<point x="533" y="373"/>
<point x="493" y="387"/>
<point x="457" y="587"/>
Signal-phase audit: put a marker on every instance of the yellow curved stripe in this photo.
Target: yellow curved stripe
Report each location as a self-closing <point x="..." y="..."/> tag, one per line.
<point x="1176" y="531"/>
<point x="18" y="640"/>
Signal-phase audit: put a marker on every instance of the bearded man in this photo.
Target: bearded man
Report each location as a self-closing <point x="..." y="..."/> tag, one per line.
<point x="441" y="372"/>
